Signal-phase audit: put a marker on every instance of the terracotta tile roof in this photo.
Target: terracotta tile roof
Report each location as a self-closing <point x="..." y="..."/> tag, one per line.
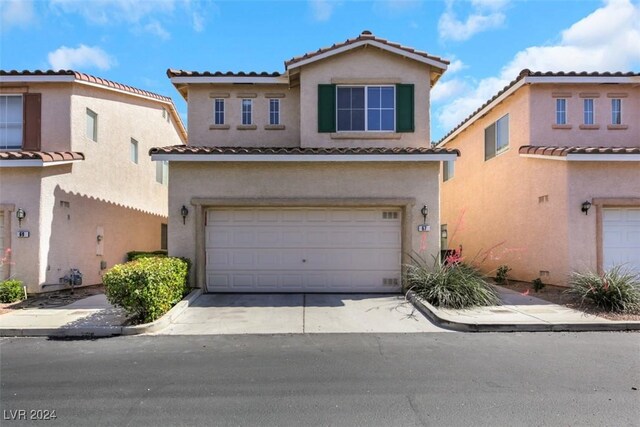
<point x="564" y="151"/>
<point x="45" y="156"/>
<point x="87" y="78"/>
<point x="185" y="149"/>
<point x="183" y="73"/>
<point x="365" y="35"/>
<point x="528" y="73"/>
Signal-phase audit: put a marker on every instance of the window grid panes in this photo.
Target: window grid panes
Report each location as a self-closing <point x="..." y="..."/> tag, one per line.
<point x="588" y="111"/>
<point x="502" y="133"/>
<point x="246" y="112"/>
<point x="218" y="112"/>
<point x="11" y="122"/>
<point x="92" y="125"/>
<point x="616" y="111"/>
<point x="366" y="108"/>
<point x="274" y="111"/>
<point x="134" y="150"/>
<point x="561" y="111"/>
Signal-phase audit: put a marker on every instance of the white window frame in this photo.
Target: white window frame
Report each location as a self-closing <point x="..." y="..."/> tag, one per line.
<point x="366" y="107"/>
<point x="249" y="113"/>
<point x="448" y="170"/>
<point x="274" y="112"/>
<point x="162" y="172"/>
<point x="616" y="114"/>
<point x="94" y="115"/>
<point x="5" y="124"/>
<point x="133" y="150"/>
<point x="218" y="114"/>
<point x="561" y="111"/>
<point x="589" y="115"/>
<point x="497" y="149"/>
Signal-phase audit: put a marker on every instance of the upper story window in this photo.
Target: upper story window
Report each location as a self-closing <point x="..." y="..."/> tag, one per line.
<point x="11" y="122"/>
<point x="218" y="111"/>
<point x="133" y="149"/>
<point x="496" y="138"/>
<point x="92" y="125"/>
<point x="162" y="172"/>
<point x="247" y="110"/>
<point x="274" y="111"/>
<point x="561" y="111"/>
<point x="616" y="111"/>
<point x="366" y="108"/>
<point x="589" y="116"/>
<point x="447" y="170"/>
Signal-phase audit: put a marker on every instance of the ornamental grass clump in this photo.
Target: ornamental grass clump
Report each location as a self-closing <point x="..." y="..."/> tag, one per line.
<point x="616" y="290"/>
<point x="147" y="287"/>
<point x="454" y="285"/>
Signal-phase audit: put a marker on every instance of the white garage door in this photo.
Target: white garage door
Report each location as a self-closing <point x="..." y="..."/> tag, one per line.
<point x="303" y="250"/>
<point x="2" y="254"/>
<point x="621" y="242"/>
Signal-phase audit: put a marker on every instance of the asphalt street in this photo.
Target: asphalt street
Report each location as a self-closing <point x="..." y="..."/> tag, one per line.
<point x="454" y="379"/>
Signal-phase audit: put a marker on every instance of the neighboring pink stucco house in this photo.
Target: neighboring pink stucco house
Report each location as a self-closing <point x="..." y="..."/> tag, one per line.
<point x="309" y="180"/>
<point x="73" y="160"/>
<point x="534" y="158"/>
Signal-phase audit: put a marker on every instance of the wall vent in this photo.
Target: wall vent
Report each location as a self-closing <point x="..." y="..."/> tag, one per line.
<point x="543" y="199"/>
<point x="390" y="282"/>
<point x="389" y="215"/>
<point x="544" y="273"/>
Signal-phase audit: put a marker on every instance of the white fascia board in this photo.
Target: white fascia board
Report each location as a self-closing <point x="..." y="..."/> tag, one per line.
<point x="304" y="157"/>
<point x="231" y="79"/>
<point x="375" y="43"/>
<point x="583" y="79"/>
<point x="588" y="157"/>
<point x="36" y="78"/>
<point x="31" y="163"/>
<point x="543" y="157"/>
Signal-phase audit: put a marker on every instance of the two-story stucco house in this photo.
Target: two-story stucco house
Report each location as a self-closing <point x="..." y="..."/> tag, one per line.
<point x="549" y="179"/>
<point x="310" y="180"/>
<point x="77" y="189"/>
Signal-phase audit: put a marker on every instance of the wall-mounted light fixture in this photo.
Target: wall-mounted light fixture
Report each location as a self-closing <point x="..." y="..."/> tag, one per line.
<point x="184" y="212"/>
<point x="424" y="211"/>
<point x="20" y="214"/>
<point x="586" y="205"/>
<point x="99" y="238"/>
<point x="443" y="233"/>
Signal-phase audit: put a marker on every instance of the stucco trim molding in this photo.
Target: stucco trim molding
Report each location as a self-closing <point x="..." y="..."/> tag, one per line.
<point x="600" y="204"/>
<point x="201" y="204"/>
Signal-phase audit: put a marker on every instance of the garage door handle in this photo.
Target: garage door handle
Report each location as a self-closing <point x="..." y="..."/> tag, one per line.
<point x="304" y="260"/>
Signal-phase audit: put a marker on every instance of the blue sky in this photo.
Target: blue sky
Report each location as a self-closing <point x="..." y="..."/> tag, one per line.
<point x="487" y="41"/>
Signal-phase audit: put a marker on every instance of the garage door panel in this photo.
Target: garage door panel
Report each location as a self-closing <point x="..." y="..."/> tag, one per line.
<point x="621" y="237"/>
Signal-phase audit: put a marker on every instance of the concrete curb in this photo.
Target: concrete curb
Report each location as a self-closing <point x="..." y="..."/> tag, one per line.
<point x="432" y="313"/>
<point x="106" y="331"/>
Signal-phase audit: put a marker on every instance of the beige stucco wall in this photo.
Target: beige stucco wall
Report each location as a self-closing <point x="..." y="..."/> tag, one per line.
<point x="543" y="108"/>
<point x="256" y="181"/>
<point x="373" y="66"/>
<point x="200" y="114"/>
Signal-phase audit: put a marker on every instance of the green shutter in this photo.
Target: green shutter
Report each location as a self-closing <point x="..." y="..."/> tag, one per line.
<point x="404" y="108"/>
<point x="326" y="108"/>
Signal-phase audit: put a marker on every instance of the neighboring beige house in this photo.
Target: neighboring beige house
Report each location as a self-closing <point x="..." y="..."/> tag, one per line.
<point x="549" y="178"/>
<point x="311" y="180"/>
<point x="73" y="160"/>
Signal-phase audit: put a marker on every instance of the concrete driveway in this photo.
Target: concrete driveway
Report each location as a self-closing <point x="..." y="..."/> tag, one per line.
<point x="299" y="313"/>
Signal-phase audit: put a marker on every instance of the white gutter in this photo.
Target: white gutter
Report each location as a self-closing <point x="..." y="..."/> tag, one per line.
<point x="231" y="79"/>
<point x="31" y="163"/>
<point x="588" y="157"/>
<point x="303" y="157"/>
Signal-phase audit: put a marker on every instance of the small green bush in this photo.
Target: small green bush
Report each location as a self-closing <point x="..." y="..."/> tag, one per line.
<point x="617" y="289"/>
<point x="537" y="284"/>
<point x="456" y="285"/>
<point x="147" y="287"/>
<point x="11" y="290"/>
<point x="133" y="255"/>
<point x="501" y="274"/>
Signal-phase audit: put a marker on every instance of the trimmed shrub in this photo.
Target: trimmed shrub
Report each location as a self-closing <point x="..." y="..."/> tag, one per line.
<point x="617" y="289"/>
<point x="147" y="287"/>
<point x="501" y="274"/>
<point x="11" y="291"/>
<point x="133" y="255"/>
<point x="455" y="285"/>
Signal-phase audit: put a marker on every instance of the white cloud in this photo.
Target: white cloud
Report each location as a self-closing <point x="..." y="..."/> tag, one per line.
<point x="156" y="28"/>
<point x="455" y="66"/>
<point x="198" y="22"/>
<point x="606" y="40"/>
<point x="83" y="56"/>
<point x="486" y="15"/>
<point x="106" y="12"/>
<point x="16" y="13"/>
<point x="448" y="89"/>
<point x="321" y="9"/>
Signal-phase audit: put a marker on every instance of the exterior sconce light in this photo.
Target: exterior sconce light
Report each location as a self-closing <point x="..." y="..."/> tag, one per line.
<point x="99" y="238"/>
<point x="443" y="233"/>
<point x="586" y="206"/>
<point x="424" y="211"/>
<point x="20" y="214"/>
<point x="184" y="212"/>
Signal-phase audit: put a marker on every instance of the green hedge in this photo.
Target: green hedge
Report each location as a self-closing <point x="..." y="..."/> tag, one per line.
<point x="133" y="255"/>
<point x="11" y="291"/>
<point x="148" y="287"/>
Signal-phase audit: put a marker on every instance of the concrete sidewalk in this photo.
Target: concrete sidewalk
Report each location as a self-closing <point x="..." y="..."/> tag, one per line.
<point x="519" y="313"/>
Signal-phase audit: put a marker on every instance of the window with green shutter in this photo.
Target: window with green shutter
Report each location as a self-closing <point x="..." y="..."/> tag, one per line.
<point x="326" y="108"/>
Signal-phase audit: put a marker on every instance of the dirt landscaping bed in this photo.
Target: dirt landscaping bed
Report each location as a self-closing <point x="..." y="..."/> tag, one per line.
<point x="53" y="299"/>
<point x="557" y="295"/>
